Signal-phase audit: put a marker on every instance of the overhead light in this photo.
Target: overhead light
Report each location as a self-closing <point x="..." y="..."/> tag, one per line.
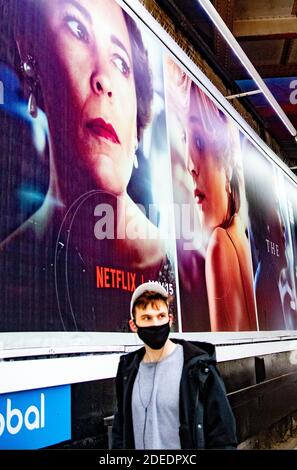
<point x="226" y="33"/>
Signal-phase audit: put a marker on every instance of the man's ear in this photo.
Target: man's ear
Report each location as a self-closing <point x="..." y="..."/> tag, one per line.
<point x="133" y="327"/>
<point x="171" y="319"/>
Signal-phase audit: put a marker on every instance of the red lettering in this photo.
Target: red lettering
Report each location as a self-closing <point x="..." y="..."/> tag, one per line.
<point x="124" y="287"/>
<point x="133" y="276"/>
<point x="99" y="277"/>
<point x="115" y="278"/>
<point x="106" y="280"/>
<point x="128" y="280"/>
<point x="118" y="275"/>
<point x="112" y="277"/>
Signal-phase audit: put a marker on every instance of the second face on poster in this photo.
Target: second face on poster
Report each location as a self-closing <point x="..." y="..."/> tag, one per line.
<point x="215" y="270"/>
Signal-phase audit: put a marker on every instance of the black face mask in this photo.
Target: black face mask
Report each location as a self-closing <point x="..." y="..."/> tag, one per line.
<point x="154" y="336"/>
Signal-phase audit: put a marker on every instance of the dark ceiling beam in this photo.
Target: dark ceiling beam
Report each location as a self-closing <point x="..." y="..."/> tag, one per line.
<point x="286" y="52"/>
<point x="294" y="8"/>
<point x="175" y="9"/>
<point x="187" y="21"/>
<point x="268" y="37"/>
<point x="225" y="8"/>
<point x="262" y="27"/>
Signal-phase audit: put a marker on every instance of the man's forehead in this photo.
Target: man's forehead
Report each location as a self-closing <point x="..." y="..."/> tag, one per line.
<point x="159" y="306"/>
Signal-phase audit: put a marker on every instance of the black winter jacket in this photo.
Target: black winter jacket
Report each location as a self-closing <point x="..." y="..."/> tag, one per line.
<point x="206" y="418"/>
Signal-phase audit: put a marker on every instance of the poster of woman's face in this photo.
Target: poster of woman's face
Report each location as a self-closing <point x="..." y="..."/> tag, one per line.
<point x="214" y="262"/>
<point x="85" y="170"/>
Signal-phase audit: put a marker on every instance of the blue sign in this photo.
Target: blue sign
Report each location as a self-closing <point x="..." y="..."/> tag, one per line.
<point x="284" y="89"/>
<point x="36" y="418"/>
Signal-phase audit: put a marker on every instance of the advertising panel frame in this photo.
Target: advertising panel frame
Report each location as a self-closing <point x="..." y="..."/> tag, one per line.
<point x="23" y="344"/>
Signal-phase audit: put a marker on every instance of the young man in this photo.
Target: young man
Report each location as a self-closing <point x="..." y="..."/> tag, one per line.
<point x="169" y="393"/>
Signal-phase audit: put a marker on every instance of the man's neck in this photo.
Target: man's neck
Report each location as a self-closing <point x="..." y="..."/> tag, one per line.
<point x="155" y="355"/>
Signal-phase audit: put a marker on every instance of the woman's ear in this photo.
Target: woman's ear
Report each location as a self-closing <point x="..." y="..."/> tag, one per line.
<point x="133" y="327"/>
<point x="24" y="47"/>
<point x="21" y="49"/>
<point x="171" y="319"/>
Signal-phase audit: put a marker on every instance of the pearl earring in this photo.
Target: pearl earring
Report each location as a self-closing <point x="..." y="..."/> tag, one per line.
<point x="29" y="70"/>
<point x="135" y="161"/>
<point x="135" y="155"/>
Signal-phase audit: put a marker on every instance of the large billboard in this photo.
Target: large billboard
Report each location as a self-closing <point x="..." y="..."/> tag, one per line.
<point x="85" y="169"/>
<point x="117" y="167"/>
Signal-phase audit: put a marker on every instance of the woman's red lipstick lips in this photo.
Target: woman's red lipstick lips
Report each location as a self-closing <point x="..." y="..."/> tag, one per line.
<point x="102" y="129"/>
<point x="199" y="196"/>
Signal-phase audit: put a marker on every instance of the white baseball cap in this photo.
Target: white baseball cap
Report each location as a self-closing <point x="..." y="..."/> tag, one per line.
<point x="146" y="286"/>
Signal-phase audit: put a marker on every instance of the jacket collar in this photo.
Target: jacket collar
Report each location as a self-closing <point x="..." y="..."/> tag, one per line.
<point x="192" y="349"/>
<point x="201" y="350"/>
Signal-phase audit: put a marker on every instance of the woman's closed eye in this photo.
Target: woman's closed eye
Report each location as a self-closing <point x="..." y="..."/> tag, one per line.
<point x="121" y="65"/>
<point x="77" y="28"/>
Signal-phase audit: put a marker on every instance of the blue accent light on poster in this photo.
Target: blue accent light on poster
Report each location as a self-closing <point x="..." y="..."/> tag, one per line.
<point x="36" y="418"/>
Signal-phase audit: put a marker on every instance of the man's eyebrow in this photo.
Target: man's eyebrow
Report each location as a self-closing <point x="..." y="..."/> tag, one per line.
<point x="119" y="43"/>
<point x="80" y="8"/>
<point x="162" y="312"/>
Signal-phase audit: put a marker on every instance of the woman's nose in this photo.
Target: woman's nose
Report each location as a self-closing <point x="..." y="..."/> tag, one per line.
<point x="192" y="169"/>
<point x="194" y="173"/>
<point x="100" y="84"/>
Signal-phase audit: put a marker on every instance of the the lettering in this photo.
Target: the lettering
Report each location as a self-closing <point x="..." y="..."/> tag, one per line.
<point x="272" y="247"/>
<point x="104" y="227"/>
<point x="15" y="419"/>
<point x="293" y="94"/>
<point x="107" y="278"/>
<point x="1" y="93"/>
